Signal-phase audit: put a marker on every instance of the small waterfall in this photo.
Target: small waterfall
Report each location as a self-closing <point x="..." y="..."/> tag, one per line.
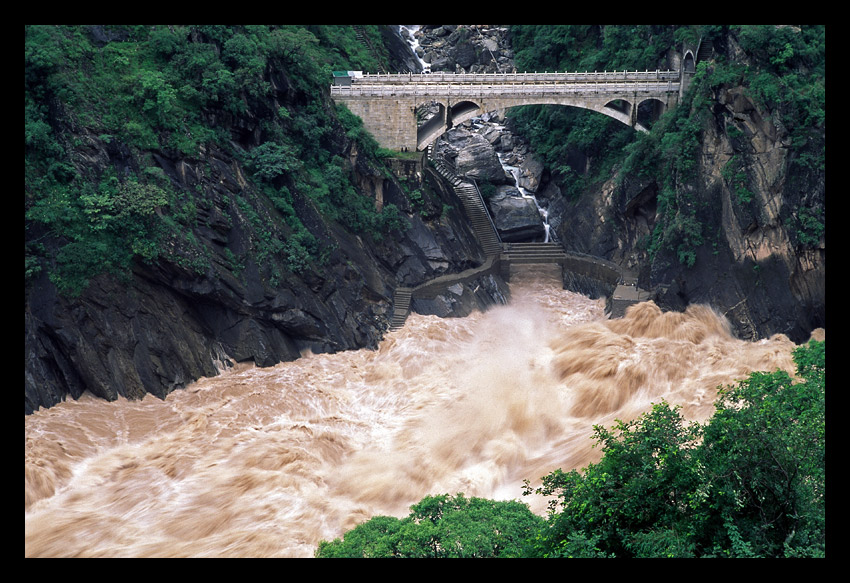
<point x="408" y="33"/>
<point x="544" y="213"/>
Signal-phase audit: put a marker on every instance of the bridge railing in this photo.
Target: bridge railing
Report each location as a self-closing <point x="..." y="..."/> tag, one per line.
<point x="496" y="90"/>
<point x="507" y="78"/>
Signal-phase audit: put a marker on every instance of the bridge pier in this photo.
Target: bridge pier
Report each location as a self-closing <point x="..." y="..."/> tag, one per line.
<point x="391" y="121"/>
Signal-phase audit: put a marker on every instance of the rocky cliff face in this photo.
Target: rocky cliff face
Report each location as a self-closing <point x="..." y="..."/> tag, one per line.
<point x="467" y="48"/>
<point x="174" y="321"/>
<point x="219" y="300"/>
<point x="170" y="324"/>
<point x="752" y="266"/>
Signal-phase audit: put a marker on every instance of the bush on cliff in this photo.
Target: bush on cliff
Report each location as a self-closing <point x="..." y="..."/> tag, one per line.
<point x="104" y="105"/>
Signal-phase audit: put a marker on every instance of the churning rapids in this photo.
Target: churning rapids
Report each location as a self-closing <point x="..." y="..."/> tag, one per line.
<point x="268" y="462"/>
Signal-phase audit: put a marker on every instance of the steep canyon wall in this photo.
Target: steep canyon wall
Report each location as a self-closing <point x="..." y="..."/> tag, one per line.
<point x="235" y="293"/>
<point x="750" y="265"/>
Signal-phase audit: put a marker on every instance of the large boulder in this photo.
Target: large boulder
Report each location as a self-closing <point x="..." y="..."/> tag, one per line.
<point x="475" y="157"/>
<point x="516" y="218"/>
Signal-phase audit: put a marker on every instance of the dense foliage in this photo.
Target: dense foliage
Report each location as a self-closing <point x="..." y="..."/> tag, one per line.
<point x="781" y="69"/>
<point x="748" y="483"/>
<point x="441" y="527"/>
<point x="145" y="92"/>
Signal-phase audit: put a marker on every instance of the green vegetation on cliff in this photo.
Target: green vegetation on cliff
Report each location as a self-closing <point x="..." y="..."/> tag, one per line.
<point x="748" y="483"/>
<point x="780" y="68"/>
<point x="140" y="94"/>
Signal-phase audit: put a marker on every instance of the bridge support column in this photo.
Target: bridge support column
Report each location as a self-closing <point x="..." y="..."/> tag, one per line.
<point x="633" y="111"/>
<point x="392" y="122"/>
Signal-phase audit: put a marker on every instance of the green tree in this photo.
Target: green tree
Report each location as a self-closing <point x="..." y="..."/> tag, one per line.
<point x="748" y="483"/>
<point x="442" y="527"/>
<point x="763" y="459"/>
<point x="640" y="486"/>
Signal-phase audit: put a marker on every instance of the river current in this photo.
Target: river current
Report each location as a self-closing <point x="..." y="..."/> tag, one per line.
<point x="266" y="462"/>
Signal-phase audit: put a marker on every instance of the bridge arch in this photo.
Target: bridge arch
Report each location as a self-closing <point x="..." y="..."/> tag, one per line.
<point x="638" y="114"/>
<point x="447" y="116"/>
<point x="463" y="110"/>
<point x="689" y="62"/>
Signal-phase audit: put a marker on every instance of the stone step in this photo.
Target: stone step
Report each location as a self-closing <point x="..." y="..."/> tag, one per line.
<point x="526" y="260"/>
<point x="515" y="250"/>
<point x="543" y="252"/>
<point x="532" y="245"/>
<point x="532" y="252"/>
<point x="401" y="307"/>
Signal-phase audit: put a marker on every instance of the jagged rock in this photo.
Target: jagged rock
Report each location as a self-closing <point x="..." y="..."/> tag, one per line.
<point x="530" y="173"/>
<point x="461" y="299"/>
<point x="400" y="54"/>
<point x="749" y="267"/>
<point x="470" y="48"/>
<point x="169" y="325"/>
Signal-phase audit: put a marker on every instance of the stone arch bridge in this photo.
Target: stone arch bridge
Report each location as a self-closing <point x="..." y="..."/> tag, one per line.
<point x="388" y="103"/>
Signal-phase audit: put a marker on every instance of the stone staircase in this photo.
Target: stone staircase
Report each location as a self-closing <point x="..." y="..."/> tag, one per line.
<point x="473" y="204"/>
<point x="401" y="306"/>
<point x="479" y="218"/>
<point x="363" y="38"/>
<point x="529" y="254"/>
<point x="482" y="226"/>
<point x="705" y="50"/>
<point x="524" y="253"/>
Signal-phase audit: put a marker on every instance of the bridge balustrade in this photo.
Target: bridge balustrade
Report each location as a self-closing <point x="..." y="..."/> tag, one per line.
<point x="479" y="90"/>
<point x="513" y="78"/>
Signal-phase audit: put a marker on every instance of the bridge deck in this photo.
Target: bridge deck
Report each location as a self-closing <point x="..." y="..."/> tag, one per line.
<point x="388" y="103"/>
<point x="507" y="84"/>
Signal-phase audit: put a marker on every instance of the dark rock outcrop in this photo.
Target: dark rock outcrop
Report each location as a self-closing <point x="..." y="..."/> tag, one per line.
<point x="516" y="218"/>
<point x="466" y="48"/>
<point x="751" y="266"/>
<point x="473" y="156"/>
<point x="401" y="57"/>
<point x="168" y="324"/>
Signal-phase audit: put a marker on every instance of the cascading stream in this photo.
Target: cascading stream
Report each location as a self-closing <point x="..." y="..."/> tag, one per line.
<point x="544" y="213"/>
<point x="266" y="462"/>
<point x="408" y="33"/>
